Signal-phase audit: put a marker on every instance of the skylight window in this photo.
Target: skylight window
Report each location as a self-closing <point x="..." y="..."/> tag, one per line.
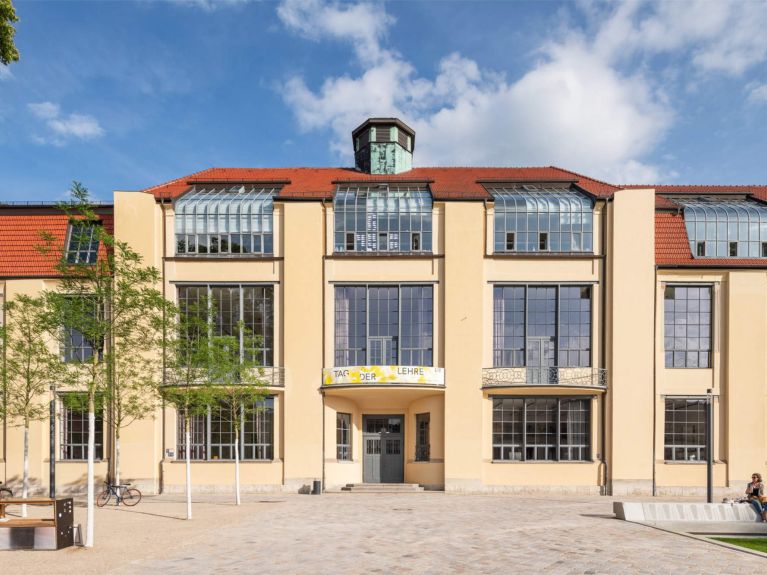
<point x="383" y="218"/>
<point x="725" y="228"/>
<point x="221" y="221"/>
<point x="542" y="219"/>
<point x="83" y="243"/>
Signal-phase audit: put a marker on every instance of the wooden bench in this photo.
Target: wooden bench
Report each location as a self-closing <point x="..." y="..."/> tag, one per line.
<point x="34" y="532"/>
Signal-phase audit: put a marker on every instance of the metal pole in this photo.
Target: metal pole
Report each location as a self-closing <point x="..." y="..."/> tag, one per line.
<point x="52" y="454"/>
<point x="709" y="446"/>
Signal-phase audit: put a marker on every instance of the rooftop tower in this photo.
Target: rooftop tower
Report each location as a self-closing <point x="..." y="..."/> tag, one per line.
<point x="383" y="146"/>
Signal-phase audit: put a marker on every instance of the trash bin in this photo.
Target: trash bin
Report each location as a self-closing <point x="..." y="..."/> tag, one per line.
<point x="316" y="487"/>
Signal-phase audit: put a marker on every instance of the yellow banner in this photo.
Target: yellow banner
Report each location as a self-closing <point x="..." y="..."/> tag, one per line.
<point x="373" y="374"/>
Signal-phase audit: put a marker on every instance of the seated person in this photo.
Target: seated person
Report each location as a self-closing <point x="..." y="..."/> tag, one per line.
<point x="755" y="492"/>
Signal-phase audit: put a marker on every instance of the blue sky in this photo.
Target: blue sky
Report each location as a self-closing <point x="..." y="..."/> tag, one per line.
<point x="125" y="95"/>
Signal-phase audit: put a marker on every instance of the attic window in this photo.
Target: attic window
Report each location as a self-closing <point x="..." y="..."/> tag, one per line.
<point x="542" y="219"/>
<point x="727" y="227"/>
<point x="83" y="242"/>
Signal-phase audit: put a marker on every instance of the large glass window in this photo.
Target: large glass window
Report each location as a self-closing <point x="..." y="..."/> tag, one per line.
<point x="225" y="220"/>
<point x="687" y="326"/>
<point x="73" y="434"/>
<point x="75" y="346"/>
<point x="542" y="219"/>
<point x="83" y="243"/>
<point x="533" y="325"/>
<point x="344" y="436"/>
<point x="383" y="218"/>
<point x="541" y="429"/>
<point x="213" y="433"/>
<point x="383" y="325"/>
<point x="719" y="227"/>
<point x="684" y="437"/>
<point x="253" y="305"/>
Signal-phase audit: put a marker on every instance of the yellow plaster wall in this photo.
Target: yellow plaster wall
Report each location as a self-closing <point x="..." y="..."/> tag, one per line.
<point x="630" y="345"/>
<point x="464" y="314"/>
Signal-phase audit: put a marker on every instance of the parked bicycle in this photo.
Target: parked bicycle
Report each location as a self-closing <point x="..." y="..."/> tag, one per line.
<point x="124" y="494"/>
<point x="5" y="491"/>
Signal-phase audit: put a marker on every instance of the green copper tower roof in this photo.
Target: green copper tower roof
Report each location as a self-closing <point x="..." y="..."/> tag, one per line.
<point x="383" y="146"/>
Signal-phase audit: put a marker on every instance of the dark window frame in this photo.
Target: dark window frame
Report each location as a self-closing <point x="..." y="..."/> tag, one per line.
<point x="423" y="436"/>
<point x="82" y="242"/>
<point x="688" y="350"/>
<point x="680" y="442"/>
<point x="515" y="322"/>
<point x="517" y="437"/>
<point x="209" y="432"/>
<point x="343" y="436"/>
<point x="70" y="419"/>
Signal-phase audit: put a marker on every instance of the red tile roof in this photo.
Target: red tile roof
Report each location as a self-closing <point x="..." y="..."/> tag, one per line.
<point x="320" y="183"/>
<point x="20" y="234"/>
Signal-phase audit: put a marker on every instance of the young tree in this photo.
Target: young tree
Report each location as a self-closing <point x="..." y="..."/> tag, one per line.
<point x="8" y="51"/>
<point x="29" y="368"/>
<point x="237" y="383"/>
<point x="188" y="364"/>
<point x="104" y="294"/>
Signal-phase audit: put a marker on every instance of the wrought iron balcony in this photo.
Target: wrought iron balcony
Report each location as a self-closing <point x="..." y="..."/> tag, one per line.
<point x="271" y="376"/>
<point x="545" y="376"/>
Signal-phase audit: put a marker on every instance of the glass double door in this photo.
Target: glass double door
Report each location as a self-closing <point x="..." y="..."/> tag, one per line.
<point x="541" y="364"/>
<point x="383" y="449"/>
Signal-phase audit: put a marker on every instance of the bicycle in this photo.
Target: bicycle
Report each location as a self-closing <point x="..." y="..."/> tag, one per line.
<point x="5" y="491"/>
<point x="124" y="494"/>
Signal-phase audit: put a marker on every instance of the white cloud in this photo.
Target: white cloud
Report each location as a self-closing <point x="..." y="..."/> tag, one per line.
<point x="757" y="93"/>
<point x="45" y="110"/>
<point x="64" y="127"/>
<point x="209" y="5"/>
<point x="5" y="72"/>
<point x="364" y="24"/>
<point x="723" y="37"/>
<point x="577" y="107"/>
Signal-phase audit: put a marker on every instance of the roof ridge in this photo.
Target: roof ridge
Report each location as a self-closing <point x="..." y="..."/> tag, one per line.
<point x="585" y="176"/>
<point x="175" y="180"/>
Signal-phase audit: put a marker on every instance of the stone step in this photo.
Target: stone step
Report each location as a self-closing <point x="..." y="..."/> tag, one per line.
<point x="382" y="488"/>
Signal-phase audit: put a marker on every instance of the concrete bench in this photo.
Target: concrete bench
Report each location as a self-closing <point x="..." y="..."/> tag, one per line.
<point x="705" y="518"/>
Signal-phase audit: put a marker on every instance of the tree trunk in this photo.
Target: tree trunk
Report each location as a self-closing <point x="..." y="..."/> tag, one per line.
<point x="91" y="456"/>
<point x="187" y="444"/>
<point x="237" y="468"/>
<point x="117" y="456"/>
<point x="25" y="484"/>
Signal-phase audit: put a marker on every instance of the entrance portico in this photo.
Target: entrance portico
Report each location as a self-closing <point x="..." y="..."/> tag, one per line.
<point x="384" y="432"/>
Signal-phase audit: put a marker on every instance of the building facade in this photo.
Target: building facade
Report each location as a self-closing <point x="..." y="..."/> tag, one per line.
<point x="467" y="329"/>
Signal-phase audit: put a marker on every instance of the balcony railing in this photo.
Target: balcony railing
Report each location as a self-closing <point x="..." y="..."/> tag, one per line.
<point x="272" y="376"/>
<point x="544" y="376"/>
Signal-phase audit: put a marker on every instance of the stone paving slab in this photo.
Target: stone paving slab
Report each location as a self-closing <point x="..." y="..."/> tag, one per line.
<point x="441" y="533"/>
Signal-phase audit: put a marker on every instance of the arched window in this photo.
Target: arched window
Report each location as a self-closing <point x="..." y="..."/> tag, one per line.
<point x="225" y="220"/>
<point x="542" y="219"/>
<point x="383" y="218"/>
<point x="725" y="228"/>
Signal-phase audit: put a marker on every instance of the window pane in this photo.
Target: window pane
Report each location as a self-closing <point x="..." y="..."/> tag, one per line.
<point x="685" y="430"/>
<point x="383" y="217"/>
<point x="687" y="326"/>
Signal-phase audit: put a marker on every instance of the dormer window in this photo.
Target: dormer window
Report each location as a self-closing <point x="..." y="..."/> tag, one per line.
<point x="83" y="242"/>
<point x="383" y="218"/>
<point x="223" y="221"/>
<point x="725" y="227"/>
<point x="538" y="218"/>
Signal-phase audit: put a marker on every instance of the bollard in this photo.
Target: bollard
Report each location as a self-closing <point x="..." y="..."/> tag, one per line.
<point x="316" y="487"/>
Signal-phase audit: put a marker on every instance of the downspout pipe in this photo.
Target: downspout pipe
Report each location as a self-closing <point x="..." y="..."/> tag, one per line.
<point x="603" y="352"/>
<point x="322" y="391"/>
<point x="655" y="382"/>
<point x="163" y="203"/>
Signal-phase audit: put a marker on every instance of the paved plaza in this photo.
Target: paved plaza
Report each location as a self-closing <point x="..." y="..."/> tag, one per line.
<point x="380" y="533"/>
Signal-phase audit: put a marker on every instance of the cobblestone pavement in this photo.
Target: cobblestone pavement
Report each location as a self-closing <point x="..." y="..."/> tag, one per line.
<point x="439" y="533"/>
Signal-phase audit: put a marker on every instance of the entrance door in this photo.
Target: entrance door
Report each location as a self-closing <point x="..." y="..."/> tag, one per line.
<point x="383" y="457"/>
<point x="540" y="360"/>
